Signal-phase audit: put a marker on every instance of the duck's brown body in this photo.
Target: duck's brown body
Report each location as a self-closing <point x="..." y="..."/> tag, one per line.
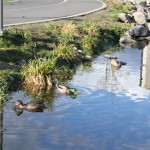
<point x="63" y="89"/>
<point x="35" y="105"/>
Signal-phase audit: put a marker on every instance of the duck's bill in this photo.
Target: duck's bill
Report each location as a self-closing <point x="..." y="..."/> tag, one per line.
<point x="76" y="93"/>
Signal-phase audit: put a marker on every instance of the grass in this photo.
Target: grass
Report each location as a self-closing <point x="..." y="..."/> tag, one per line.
<point x="49" y="48"/>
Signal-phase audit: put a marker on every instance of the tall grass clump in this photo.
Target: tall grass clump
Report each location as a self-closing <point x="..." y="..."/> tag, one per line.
<point x="64" y="51"/>
<point x="90" y="34"/>
<point x="66" y="55"/>
<point x="39" y="71"/>
<point x="69" y="33"/>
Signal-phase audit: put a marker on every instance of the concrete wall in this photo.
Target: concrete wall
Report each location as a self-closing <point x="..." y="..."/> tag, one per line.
<point x="145" y="68"/>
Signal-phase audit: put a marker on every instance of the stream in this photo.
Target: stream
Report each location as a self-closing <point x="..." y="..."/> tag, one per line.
<point x="111" y="112"/>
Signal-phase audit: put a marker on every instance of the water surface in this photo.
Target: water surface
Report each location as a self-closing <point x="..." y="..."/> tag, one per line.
<point x="112" y="111"/>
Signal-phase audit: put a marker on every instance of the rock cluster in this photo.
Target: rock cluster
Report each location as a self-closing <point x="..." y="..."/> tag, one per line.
<point x="139" y="16"/>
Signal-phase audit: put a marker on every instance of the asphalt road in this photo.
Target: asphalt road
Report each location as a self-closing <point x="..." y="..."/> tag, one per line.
<point x="29" y="11"/>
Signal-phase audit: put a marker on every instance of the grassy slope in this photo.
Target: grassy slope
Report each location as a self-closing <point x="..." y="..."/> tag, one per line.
<point x="38" y="32"/>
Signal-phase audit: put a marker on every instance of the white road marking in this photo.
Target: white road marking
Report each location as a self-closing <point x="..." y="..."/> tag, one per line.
<point x="64" y="1"/>
<point x="69" y="16"/>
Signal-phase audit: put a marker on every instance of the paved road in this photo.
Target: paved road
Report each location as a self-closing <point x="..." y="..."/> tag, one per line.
<point x="27" y="11"/>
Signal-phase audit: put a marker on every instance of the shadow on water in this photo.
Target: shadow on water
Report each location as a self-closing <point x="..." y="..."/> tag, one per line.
<point x="111" y="111"/>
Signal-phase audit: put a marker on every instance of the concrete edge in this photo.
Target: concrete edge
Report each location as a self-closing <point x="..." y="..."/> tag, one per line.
<point x="65" y="17"/>
<point x="11" y="1"/>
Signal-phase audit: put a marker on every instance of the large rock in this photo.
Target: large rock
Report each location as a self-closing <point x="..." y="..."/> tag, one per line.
<point x="138" y="31"/>
<point x="140" y="17"/>
<point x="125" y="18"/>
<point x="148" y="2"/>
<point x="137" y="1"/>
<point x="127" y="39"/>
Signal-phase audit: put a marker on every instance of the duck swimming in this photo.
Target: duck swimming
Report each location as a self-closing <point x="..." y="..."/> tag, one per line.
<point x="66" y="89"/>
<point x="115" y="62"/>
<point x="32" y="106"/>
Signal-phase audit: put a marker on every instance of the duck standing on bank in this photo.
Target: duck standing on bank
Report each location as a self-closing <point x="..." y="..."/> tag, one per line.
<point x="34" y="106"/>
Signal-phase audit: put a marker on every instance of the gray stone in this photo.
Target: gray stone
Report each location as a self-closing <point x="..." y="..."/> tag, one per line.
<point x="11" y="78"/>
<point x="138" y="31"/>
<point x="140" y="17"/>
<point x="127" y="39"/>
<point x="125" y="18"/>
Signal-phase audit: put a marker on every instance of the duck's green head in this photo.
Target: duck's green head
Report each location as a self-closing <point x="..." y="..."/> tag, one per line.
<point x="73" y="91"/>
<point x="73" y="96"/>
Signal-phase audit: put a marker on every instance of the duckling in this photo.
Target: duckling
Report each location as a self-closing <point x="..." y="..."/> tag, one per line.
<point x="117" y="63"/>
<point x="66" y="89"/>
<point x="35" y="105"/>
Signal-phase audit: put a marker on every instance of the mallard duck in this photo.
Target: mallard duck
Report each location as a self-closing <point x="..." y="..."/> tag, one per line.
<point x="35" y="105"/>
<point x="117" y="63"/>
<point x="66" y="89"/>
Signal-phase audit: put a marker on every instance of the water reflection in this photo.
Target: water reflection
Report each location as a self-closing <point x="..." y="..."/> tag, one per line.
<point x="137" y="45"/>
<point x="145" y="68"/>
<point x="1" y="129"/>
<point x="120" y="81"/>
<point x="32" y="106"/>
<point x="111" y="112"/>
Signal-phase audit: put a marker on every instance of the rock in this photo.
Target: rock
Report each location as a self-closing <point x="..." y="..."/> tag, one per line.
<point x="141" y="8"/>
<point x="80" y="52"/>
<point x="140" y="17"/>
<point x="88" y="58"/>
<point x="147" y="2"/>
<point x="127" y="39"/>
<point x="110" y="56"/>
<point x="125" y="18"/>
<point x="23" y="62"/>
<point x="75" y="48"/>
<point x="138" y="31"/>
<point x="11" y="78"/>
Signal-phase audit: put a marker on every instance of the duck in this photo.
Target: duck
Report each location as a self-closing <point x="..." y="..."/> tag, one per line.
<point x="116" y="63"/>
<point x="66" y="89"/>
<point x="31" y="106"/>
